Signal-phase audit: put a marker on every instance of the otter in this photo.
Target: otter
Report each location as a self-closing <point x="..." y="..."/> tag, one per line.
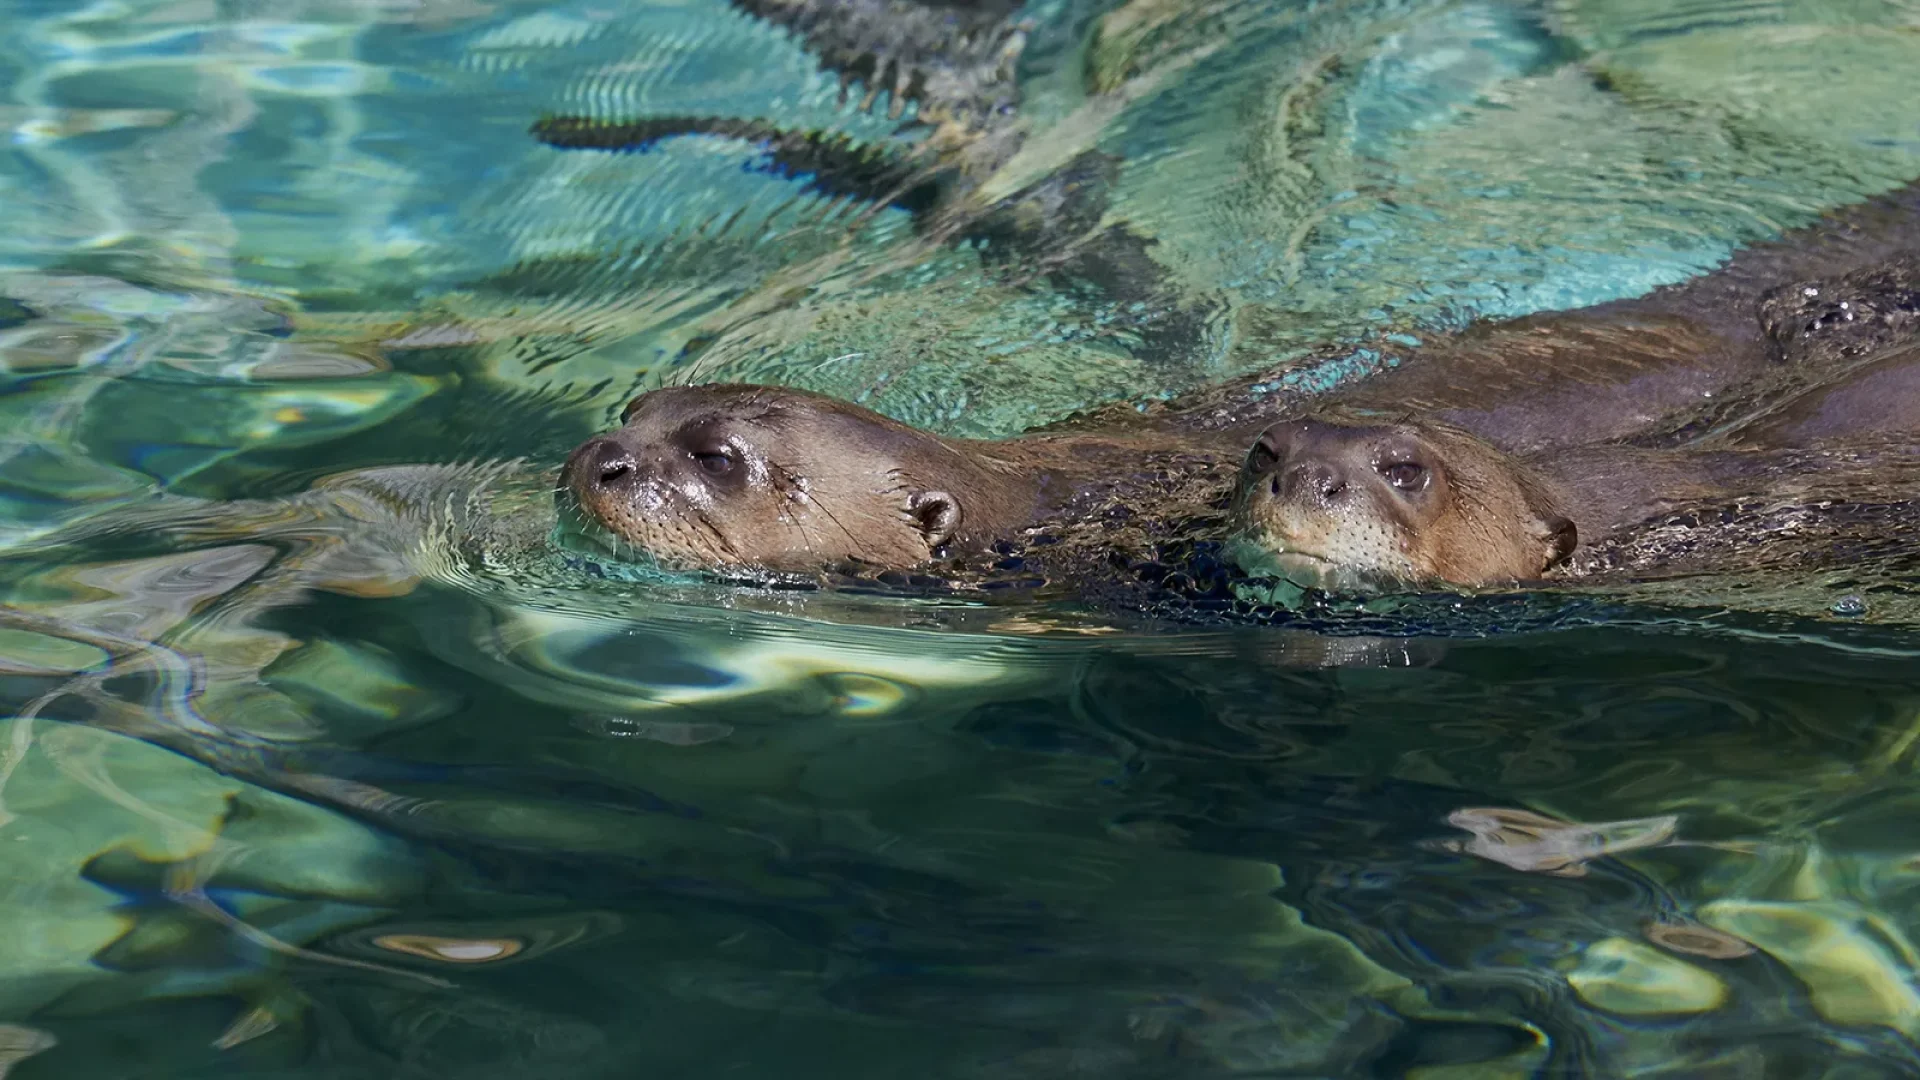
<point x="1347" y="505"/>
<point x="771" y="479"/>
<point x="746" y="479"/>
<point x="757" y="479"/>
<point x="1834" y="413"/>
<point x="1485" y="485"/>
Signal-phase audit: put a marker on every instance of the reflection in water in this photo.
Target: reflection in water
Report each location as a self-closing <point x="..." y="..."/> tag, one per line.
<point x="1697" y="940"/>
<point x="1534" y="842"/>
<point x="1205" y="851"/>
<point x="491" y="941"/>
<point x="451" y="950"/>
<point x="18" y="1043"/>
<point x="1127" y="855"/>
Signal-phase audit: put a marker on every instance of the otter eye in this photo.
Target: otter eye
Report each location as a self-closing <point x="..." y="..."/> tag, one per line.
<point x="715" y="462"/>
<point x="1405" y="475"/>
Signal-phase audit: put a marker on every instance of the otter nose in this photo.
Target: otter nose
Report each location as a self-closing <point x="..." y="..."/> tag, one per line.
<point x="604" y="463"/>
<point x="1318" y="481"/>
<point x="1267" y="452"/>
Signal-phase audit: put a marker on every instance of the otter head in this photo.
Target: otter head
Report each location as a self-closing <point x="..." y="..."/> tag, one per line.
<point x="1339" y="506"/>
<point x="712" y="477"/>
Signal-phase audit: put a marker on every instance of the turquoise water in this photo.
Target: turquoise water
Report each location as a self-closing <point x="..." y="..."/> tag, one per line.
<point x="289" y="790"/>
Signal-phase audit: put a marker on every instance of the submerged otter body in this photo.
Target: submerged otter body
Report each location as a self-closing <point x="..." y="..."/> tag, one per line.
<point x="1878" y="397"/>
<point x="1666" y="369"/>
<point x="957" y="65"/>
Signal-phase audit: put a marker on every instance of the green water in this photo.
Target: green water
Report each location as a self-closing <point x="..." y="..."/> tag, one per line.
<point x="290" y="789"/>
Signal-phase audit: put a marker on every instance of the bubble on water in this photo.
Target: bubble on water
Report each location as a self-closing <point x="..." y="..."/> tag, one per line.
<point x="671" y="732"/>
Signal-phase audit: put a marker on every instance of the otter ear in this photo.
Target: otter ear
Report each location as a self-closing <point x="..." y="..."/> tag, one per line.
<point x="1561" y="538"/>
<point x="938" y="515"/>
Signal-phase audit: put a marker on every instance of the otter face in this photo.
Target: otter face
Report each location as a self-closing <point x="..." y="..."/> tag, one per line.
<point x="1338" y="506"/>
<point x="714" y="477"/>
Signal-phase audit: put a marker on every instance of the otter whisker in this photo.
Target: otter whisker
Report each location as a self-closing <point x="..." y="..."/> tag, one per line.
<point x="806" y="538"/>
<point x="799" y="525"/>
<point x="852" y="539"/>
<point x="793" y="481"/>
<point x="700" y="519"/>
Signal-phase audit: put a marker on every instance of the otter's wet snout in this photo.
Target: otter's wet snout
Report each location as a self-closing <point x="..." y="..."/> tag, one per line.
<point x="602" y="464"/>
<point x="1293" y="463"/>
<point x="1319" y="481"/>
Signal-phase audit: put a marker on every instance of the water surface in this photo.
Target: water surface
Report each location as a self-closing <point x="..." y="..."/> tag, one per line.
<point x="277" y="799"/>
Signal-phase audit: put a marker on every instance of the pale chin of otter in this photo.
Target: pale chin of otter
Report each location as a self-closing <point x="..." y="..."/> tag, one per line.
<point x="1369" y="508"/>
<point x="577" y="532"/>
<point x="1267" y="554"/>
